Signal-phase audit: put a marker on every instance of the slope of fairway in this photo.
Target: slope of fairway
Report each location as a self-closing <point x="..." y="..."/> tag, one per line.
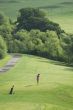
<point x="60" y="11"/>
<point x="4" y="60"/>
<point x="54" y="92"/>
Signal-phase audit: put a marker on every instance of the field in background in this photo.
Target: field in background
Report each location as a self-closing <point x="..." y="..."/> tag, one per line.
<point x="60" y="11"/>
<point x="55" y="91"/>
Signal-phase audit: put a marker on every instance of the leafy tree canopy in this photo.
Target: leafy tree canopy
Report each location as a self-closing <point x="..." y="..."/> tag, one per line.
<point x="3" y="48"/>
<point x="34" y="18"/>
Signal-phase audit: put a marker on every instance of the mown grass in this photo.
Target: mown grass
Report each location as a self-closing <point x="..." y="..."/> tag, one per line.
<point x="4" y="61"/>
<point x="60" y="11"/>
<point x="54" y="92"/>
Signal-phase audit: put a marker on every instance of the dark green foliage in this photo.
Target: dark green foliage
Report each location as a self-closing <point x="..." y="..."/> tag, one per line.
<point x="67" y="45"/>
<point x="31" y="18"/>
<point x="34" y="34"/>
<point x="35" y="42"/>
<point x="3" y="48"/>
<point x="2" y="18"/>
<point x="5" y="33"/>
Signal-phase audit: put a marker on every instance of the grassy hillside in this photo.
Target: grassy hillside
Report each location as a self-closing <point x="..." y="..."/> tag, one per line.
<point x="4" y="60"/>
<point x="60" y="11"/>
<point x="55" y="91"/>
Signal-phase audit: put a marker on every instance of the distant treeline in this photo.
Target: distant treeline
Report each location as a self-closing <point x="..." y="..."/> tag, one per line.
<point x="34" y="33"/>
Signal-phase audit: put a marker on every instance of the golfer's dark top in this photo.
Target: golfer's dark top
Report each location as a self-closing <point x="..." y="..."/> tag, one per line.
<point x="11" y="90"/>
<point x="38" y="76"/>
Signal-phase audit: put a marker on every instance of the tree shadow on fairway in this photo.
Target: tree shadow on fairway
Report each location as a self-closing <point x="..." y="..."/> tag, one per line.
<point x="45" y="60"/>
<point x="33" y="56"/>
<point x="69" y="69"/>
<point x="56" y="63"/>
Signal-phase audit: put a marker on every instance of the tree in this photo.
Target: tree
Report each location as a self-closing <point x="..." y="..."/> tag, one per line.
<point x="54" y="48"/>
<point x="2" y="18"/>
<point x="3" y="48"/>
<point x="34" y="18"/>
<point x="66" y="41"/>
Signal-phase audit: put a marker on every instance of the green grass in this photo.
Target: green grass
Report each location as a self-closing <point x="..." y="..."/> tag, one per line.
<point x="60" y="11"/>
<point x="55" y="91"/>
<point x="5" y="60"/>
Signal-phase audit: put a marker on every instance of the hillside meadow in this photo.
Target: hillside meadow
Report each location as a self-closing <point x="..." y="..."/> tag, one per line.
<point x="54" y="92"/>
<point x="55" y="89"/>
<point x="60" y="11"/>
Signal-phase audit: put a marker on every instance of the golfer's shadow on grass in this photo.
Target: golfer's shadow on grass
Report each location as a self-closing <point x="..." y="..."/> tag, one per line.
<point x="28" y="85"/>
